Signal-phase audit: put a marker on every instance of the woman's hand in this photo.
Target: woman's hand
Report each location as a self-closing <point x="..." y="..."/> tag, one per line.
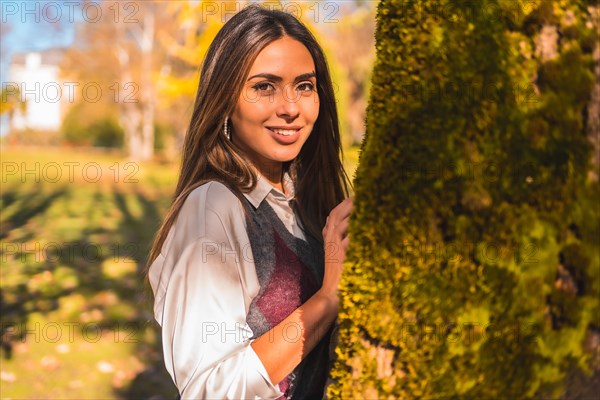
<point x="336" y="240"/>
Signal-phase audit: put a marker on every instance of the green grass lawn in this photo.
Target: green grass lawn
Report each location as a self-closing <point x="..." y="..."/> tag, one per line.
<point x="75" y="229"/>
<point x="59" y="360"/>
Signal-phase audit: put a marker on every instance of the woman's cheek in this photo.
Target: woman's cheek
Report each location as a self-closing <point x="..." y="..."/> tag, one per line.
<point x="312" y="107"/>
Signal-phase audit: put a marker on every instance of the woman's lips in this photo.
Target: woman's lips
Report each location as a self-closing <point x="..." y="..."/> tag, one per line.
<point x="283" y="139"/>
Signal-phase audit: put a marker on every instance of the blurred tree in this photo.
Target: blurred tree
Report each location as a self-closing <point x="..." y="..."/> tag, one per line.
<point x="119" y="54"/>
<point x="81" y="116"/>
<point x="107" y="133"/>
<point x="473" y="270"/>
<point x="74" y="128"/>
<point x="198" y="24"/>
<point x="357" y="60"/>
<point x="11" y="100"/>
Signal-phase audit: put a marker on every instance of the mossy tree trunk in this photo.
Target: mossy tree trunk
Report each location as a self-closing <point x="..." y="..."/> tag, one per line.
<point x="473" y="266"/>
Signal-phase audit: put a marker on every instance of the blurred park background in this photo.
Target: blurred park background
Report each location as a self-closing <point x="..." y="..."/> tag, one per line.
<point x="96" y="98"/>
<point x="95" y="101"/>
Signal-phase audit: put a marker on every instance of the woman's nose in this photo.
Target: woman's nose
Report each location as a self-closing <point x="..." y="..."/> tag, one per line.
<point x="288" y="102"/>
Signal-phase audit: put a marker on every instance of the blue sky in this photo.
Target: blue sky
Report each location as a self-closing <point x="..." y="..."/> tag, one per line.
<point x="31" y="26"/>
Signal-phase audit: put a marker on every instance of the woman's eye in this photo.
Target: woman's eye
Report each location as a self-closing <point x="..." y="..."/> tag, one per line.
<point x="308" y="87"/>
<point x="262" y="86"/>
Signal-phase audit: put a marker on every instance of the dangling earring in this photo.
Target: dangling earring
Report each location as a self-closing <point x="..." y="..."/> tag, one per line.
<point x="226" y="129"/>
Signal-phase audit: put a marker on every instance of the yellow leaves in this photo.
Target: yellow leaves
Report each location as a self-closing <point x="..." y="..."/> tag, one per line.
<point x="195" y="39"/>
<point x="198" y="26"/>
<point x="118" y="268"/>
<point x="356" y="297"/>
<point x="170" y="87"/>
<point x="38" y="281"/>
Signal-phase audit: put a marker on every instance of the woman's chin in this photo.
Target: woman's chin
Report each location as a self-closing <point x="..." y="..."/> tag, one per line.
<point x="284" y="156"/>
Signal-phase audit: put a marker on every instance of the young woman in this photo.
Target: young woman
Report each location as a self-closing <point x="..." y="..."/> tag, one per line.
<point x="246" y="265"/>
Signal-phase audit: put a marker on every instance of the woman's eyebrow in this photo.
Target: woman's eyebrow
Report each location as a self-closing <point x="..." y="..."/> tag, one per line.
<point x="279" y="79"/>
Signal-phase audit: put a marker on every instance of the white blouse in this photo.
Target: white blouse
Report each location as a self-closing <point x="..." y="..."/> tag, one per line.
<point x="203" y="282"/>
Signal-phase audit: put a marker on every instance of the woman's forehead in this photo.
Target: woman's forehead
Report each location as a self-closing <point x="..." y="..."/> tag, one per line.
<point x="286" y="58"/>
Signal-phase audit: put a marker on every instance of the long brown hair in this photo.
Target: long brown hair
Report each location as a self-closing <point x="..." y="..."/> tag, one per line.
<point x="317" y="172"/>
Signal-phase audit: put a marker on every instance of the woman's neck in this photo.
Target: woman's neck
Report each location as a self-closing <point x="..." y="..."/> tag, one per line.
<point x="274" y="175"/>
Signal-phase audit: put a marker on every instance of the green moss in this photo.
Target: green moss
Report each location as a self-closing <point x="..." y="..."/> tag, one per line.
<point x="472" y="208"/>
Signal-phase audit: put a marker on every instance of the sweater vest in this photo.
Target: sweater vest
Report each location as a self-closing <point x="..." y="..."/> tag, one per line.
<point x="289" y="270"/>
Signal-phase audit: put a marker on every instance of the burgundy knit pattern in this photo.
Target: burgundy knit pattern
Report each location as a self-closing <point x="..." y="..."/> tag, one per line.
<point x="290" y="279"/>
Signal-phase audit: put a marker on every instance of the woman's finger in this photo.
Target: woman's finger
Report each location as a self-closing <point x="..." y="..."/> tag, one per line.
<point x="343" y="226"/>
<point x="345" y="243"/>
<point x="345" y="208"/>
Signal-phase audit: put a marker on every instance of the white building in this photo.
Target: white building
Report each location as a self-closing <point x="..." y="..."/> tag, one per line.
<point x="36" y="76"/>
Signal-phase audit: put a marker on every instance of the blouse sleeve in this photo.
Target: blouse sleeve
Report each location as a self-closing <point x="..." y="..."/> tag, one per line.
<point x="204" y="331"/>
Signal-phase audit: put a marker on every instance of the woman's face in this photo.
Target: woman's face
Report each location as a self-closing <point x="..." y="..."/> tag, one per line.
<point x="278" y="105"/>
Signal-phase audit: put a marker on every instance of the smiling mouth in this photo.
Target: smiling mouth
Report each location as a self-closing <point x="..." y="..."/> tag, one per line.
<point x="284" y="132"/>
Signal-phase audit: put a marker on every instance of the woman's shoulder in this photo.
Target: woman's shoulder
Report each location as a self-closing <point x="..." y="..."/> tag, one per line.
<point x="214" y="196"/>
<point x="210" y="210"/>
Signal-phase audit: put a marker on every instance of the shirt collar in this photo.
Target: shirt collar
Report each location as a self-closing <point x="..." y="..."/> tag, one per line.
<point x="263" y="188"/>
